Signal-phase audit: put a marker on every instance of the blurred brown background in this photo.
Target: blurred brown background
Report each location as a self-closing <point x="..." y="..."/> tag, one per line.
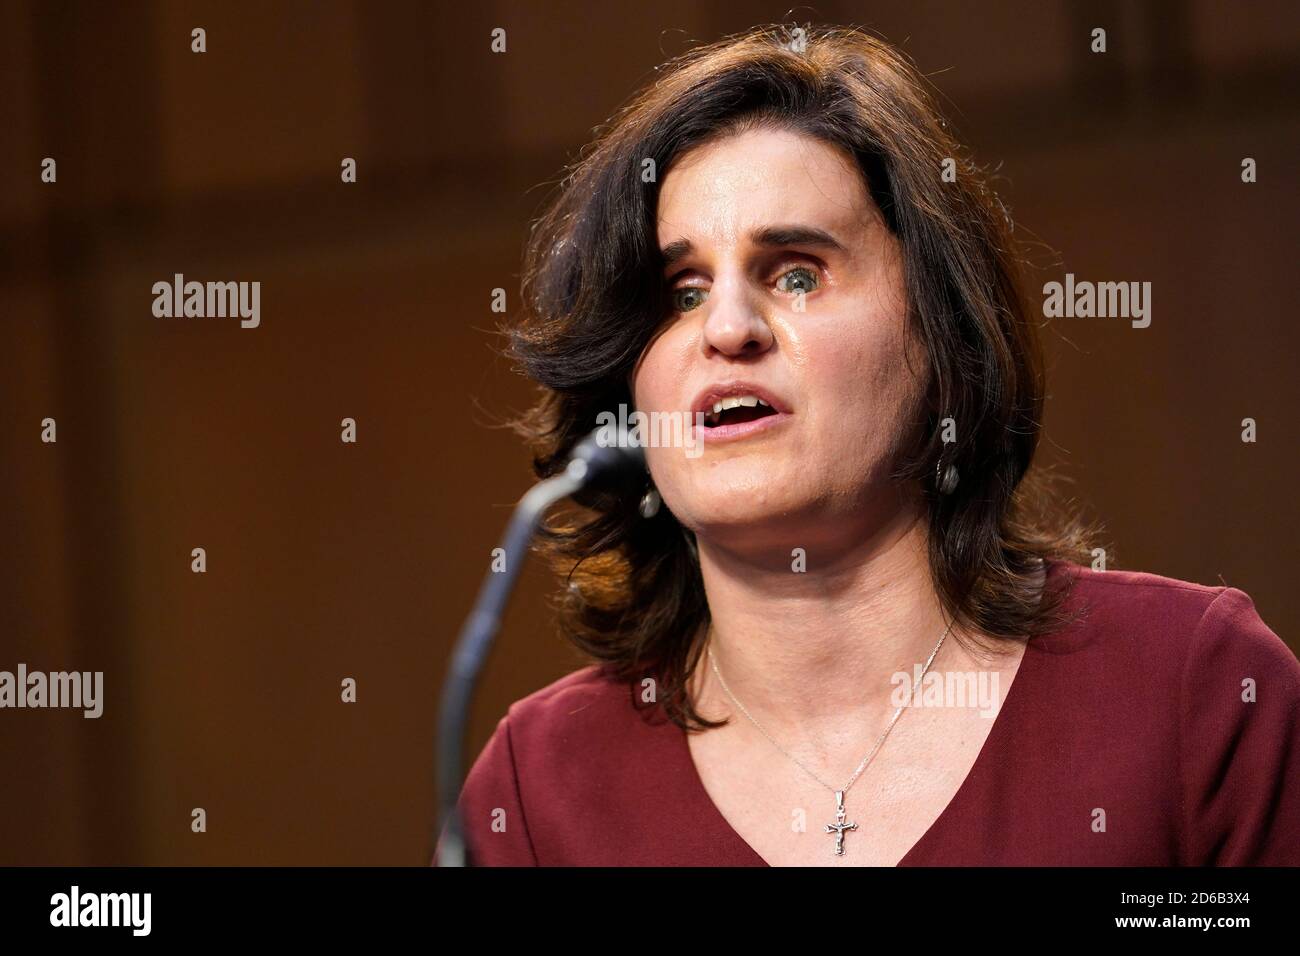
<point x="328" y="560"/>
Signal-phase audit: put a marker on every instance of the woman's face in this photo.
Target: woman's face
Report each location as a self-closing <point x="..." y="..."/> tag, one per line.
<point x="787" y="287"/>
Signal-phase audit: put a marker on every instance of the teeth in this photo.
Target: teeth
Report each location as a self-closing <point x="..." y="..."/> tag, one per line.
<point x="736" y="401"/>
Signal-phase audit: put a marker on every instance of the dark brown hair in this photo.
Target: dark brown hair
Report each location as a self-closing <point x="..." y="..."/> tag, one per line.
<point x="593" y="298"/>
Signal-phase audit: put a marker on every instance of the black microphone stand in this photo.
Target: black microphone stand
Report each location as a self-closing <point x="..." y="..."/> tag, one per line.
<point x="591" y="462"/>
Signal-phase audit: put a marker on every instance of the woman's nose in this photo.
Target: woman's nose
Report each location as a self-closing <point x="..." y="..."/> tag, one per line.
<point x="734" y="325"/>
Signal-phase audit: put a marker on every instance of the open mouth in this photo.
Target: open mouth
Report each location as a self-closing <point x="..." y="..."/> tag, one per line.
<point x="737" y="410"/>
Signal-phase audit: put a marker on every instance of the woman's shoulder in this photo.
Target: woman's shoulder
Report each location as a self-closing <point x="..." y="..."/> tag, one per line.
<point x="556" y="758"/>
<point x="1156" y="652"/>
<point x="590" y="701"/>
<point x="1168" y="620"/>
<point x="1197" y="700"/>
<point x="547" y="751"/>
<point x="585" y="722"/>
<point x="1126" y="587"/>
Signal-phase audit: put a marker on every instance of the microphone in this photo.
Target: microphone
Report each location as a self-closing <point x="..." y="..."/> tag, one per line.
<point x="596" y="461"/>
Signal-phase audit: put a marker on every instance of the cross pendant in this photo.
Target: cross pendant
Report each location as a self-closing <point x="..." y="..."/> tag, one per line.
<point x="839" y="826"/>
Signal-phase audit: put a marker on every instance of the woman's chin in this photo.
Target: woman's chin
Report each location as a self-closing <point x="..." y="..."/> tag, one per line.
<point x="734" y="520"/>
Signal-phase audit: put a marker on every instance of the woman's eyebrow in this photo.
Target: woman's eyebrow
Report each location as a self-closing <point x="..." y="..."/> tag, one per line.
<point x="783" y="235"/>
<point x="675" y="251"/>
<point x="795" y="236"/>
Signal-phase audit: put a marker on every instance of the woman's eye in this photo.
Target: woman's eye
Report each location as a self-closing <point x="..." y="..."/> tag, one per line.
<point x="689" y="297"/>
<point x="801" y="279"/>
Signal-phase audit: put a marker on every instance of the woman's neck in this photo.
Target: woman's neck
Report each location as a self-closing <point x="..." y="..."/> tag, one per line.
<point x="819" y="646"/>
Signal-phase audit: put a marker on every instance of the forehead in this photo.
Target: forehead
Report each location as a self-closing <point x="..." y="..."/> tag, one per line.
<point x="756" y="178"/>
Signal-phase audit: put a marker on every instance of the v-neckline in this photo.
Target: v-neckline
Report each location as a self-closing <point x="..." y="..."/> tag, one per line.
<point x="995" y="739"/>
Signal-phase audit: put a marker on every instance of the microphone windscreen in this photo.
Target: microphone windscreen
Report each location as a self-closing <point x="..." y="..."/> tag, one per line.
<point x="609" y="457"/>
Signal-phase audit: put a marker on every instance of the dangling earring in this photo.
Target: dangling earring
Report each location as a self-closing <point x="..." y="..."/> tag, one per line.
<point x="945" y="479"/>
<point x="650" y="503"/>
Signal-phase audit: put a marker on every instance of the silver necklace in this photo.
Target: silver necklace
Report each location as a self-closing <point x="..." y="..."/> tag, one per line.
<point x="841" y="823"/>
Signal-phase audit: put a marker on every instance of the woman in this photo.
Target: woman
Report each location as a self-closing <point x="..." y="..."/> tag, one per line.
<point x="854" y="630"/>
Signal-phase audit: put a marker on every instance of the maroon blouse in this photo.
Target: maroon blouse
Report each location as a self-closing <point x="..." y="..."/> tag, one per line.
<point x="1137" y="709"/>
